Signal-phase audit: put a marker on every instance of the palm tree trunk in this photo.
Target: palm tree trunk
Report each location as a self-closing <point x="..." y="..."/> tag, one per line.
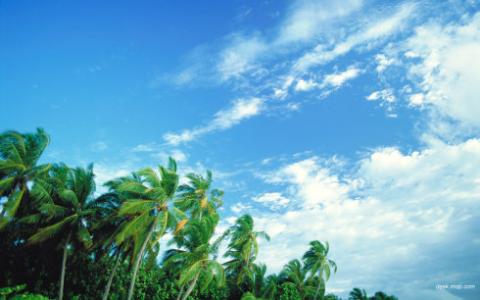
<point x="318" y="290"/>
<point x="181" y="292"/>
<point x="110" y="279"/>
<point x="190" y="288"/>
<point x="64" y="266"/>
<point x="138" y="260"/>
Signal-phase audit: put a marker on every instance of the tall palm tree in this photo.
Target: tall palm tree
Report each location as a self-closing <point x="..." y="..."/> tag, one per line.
<point x="294" y="275"/>
<point x="243" y="250"/>
<point x="147" y="196"/>
<point x="105" y="228"/>
<point x="358" y="294"/>
<point x="19" y="155"/>
<point x="317" y="263"/>
<point x="194" y="260"/>
<point x="69" y="206"/>
<point x="197" y="196"/>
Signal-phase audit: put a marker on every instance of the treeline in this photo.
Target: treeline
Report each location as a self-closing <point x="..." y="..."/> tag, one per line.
<point x="60" y="239"/>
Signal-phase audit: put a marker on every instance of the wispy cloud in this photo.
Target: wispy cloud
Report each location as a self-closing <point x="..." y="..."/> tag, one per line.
<point x="371" y="33"/>
<point x="307" y="19"/>
<point x="240" y="110"/>
<point x="240" y="56"/>
<point x="338" y="79"/>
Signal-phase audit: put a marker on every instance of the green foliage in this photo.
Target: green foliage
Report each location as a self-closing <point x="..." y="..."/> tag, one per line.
<point x="113" y="240"/>
<point x="289" y="292"/>
<point x="13" y="293"/>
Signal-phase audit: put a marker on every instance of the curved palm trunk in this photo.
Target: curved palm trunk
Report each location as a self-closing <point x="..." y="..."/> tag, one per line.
<point x="138" y="260"/>
<point x="190" y="288"/>
<point x="181" y="292"/>
<point x="64" y="266"/>
<point x="110" y="279"/>
<point x="318" y="291"/>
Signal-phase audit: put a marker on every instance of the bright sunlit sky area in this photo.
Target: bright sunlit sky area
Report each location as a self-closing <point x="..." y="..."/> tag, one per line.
<point x="353" y="122"/>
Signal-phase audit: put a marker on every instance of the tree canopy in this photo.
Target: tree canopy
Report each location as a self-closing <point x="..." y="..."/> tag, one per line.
<point x="61" y="239"/>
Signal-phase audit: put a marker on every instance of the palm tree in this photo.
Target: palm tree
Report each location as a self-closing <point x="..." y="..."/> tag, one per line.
<point x="382" y="296"/>
<point x="358" y="294"/>
<point x="294" y="275"/>
<point x="68" y="205"/>
<point x="19" y="155"/>
<point x="316" y="262"/>
<point x="243" y="250"/>
<point x="105" y="228"/>
<point x="197" y="196"/>
<point x="271" y="286"/>
<point x="194" y="260"/>
<point x="146" y="197"/>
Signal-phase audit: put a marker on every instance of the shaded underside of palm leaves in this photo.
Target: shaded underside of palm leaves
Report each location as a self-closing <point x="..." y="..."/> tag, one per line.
<point x="358" y="294"/>
<point x="67" y="205"/>
<point x="19" y="154"/>
<point x="197" y="196"/>
<point x="65" y="201"/>
<point x="193" y="262"/>
<point x="295" y="275"/>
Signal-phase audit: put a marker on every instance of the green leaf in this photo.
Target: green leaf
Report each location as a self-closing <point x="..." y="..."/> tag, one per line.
<point x="48" y="232"/>
<point x="135" y="206"/>
<point x="84" y="236"/>
<point x="13" y="203"/>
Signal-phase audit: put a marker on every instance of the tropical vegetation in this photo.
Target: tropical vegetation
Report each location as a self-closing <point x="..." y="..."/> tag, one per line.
<point x="147" y="237"/>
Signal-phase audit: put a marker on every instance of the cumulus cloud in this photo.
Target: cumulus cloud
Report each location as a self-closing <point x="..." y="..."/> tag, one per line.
<point x="446" y="70"/>
<point x="240" y="110"/>
<point x="396" y="222"/>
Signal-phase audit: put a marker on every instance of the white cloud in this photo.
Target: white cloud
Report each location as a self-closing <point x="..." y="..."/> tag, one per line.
<point x="240" y="110"/>
<point x="176" y="154"/>
<point x="305" y="85"/>
<point x="104" y="173"/>
<point x="319" y="186"/>
<point x="240" y="56"/>
<point x="416" y="99"/>
<point x="144" y="148"/>
<point x="281" y="92"/>
<point x="448" y="70"/>
<point x="239" y="208"/>
<point x="338" y="79"/>
<point x="384" y="95"/>
<point x="397" y="223"/>
<point x="321" y="54"/>
<point x="273" y="200"/>
<point x="383" y="62"/>
<point x="309" y="18"/>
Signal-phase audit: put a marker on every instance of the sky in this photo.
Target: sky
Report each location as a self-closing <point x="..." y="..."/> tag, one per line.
<point x="355" y="122"/>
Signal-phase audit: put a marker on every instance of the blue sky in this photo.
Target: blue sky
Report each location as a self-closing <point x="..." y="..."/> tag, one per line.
<point x="355" y="122"/>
